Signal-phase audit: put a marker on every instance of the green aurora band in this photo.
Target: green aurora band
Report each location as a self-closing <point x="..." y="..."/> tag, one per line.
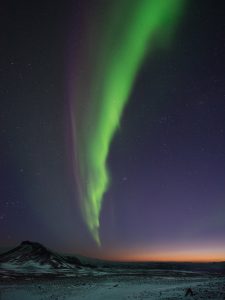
<point x="115" y="43"/>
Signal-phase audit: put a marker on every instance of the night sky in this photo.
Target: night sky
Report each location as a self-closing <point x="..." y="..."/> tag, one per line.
<point x="163" y="194"/>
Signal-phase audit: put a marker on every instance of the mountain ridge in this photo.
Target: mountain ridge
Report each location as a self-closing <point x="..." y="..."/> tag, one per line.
<point x="28" y="253"/>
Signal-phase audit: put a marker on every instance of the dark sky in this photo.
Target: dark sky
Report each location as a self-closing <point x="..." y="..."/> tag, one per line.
<point x="167" y="161"/>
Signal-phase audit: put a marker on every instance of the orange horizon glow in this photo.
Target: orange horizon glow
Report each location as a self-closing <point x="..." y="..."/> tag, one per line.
<point x="198" y="254"/>
<point x="155" y="259"/>
<point x="162" y="257"/>
<point x="169" y="258"/>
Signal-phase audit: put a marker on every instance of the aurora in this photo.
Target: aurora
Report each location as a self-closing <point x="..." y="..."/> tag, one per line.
<point x="114" y="45"/>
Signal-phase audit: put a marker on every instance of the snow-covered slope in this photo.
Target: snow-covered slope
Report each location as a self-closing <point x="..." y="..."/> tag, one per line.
<point x="30" y="255"/>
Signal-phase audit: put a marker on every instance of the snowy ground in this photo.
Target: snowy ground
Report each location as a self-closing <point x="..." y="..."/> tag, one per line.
<point x="154" y="285"/>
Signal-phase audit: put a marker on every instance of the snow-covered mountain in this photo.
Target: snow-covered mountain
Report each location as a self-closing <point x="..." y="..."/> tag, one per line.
<point x="30" y="255"/>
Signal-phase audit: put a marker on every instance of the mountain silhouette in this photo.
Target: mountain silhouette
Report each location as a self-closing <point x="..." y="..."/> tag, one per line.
<point x="35" y="254"/>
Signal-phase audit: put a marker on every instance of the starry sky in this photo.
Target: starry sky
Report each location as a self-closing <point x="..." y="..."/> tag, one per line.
<point x="166" y="160"/>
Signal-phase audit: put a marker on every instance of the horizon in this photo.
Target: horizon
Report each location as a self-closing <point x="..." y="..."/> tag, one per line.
<point x="174" y="257"/>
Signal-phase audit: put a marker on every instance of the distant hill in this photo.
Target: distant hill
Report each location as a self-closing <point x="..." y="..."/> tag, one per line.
<point x="34" y="255"/>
